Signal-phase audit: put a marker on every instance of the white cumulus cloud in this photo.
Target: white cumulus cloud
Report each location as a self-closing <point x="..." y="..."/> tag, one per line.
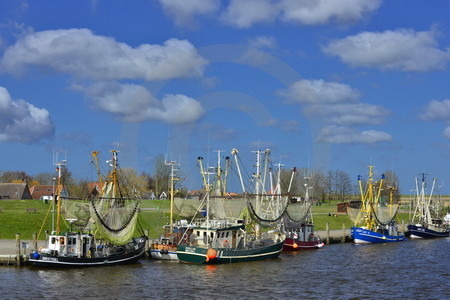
<point x="338" y="106"/>
<point x="401" y="49"/>
<point x="436" y="111"/>
<point x="185" y="12"/>
<point x="349" y="114"/>
<point x="134" y="103"/>
<point x="325" y="11"/>
<point x="244" y="14"/>
<point x="263" y="42"/>
<point x="22" y="122"/>
<point x="346" y="135"/>
<point x="80" y="53"/>
<point x="247" y="13"/>
<point x="447" y="132"/>
<point x="320" y="91"/>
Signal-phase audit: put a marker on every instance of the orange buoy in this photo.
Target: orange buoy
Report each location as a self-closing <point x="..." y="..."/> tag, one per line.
<point x="211" y="253"/>
<point x="295" y="245"/>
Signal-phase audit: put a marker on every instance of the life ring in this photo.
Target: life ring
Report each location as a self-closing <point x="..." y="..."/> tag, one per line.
<point x="226" y="244"/>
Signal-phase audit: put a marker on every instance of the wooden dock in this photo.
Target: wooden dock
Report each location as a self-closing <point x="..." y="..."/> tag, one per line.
<point x="16" y="252"/>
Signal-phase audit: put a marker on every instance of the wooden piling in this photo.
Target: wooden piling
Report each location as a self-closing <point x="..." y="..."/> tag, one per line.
<point x="343" y="233"/>
<point x="147" y="242"/>
<point x="35" y="243"/>
<point x="18" y="256"/>
<point x="327" y="228"/>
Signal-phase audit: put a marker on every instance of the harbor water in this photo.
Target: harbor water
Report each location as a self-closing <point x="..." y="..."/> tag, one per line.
<point x="415" y="269"/>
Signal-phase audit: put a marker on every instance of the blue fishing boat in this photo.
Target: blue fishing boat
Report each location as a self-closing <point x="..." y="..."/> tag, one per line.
<point x="427" y="222"/>
<point x="374" y="218"/>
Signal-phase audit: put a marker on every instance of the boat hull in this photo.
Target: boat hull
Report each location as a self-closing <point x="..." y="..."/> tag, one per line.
<point x="163" y="252"/>
<point x="296" y="245"/>
<point x="198" y="255"/>
<point x="54" y="261"/>
<point x="417" y="232"/>
<point x="364" y="236"/>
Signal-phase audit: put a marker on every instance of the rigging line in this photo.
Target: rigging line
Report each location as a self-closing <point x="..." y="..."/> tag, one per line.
<point x="246" y="184"/>
<point x="244" y="168"/>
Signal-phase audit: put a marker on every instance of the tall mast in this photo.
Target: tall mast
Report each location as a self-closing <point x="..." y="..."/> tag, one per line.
<point x="202" y="172"/>
<point x="224" y="183"/>
<point x="218" y="188"/>
<point x="172" y="165"/>
<point x="266" y="164"/>
<point x="235" y="152"/>
<point x="307" y="187"/>
<point x="114" y="172"/>
<point x="57" y="197"/>
<point x="257" y="177"/>
<point x="97" y="167"/>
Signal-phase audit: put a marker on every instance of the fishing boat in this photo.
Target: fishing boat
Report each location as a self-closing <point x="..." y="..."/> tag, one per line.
<point x="374" y="218"/>
<point x="165" y="248"/>
<point x="298" y="222"/>
<point x="232" y="229"/>
<point x="112" y="216"/>
<point x="426" y="221"/>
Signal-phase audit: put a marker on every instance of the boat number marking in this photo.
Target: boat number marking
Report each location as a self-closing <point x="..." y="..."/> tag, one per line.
<point x="49" y="258"/>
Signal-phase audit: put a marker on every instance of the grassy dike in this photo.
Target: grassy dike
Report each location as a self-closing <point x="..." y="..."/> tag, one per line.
<point x="14" y="218"/>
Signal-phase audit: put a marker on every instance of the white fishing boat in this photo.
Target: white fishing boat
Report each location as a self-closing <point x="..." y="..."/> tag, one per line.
<point x="112" y="217"/>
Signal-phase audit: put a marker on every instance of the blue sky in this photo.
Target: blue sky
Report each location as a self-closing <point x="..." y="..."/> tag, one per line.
<point x="329" y="84"/>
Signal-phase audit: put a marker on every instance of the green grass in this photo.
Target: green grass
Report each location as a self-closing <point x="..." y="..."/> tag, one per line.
<point x="154" y="214"/>
<point x="15" y="219"/>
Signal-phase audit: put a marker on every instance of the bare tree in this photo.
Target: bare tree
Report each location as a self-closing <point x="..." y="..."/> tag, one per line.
<point x="318" y="182"/>
<point x="15" y="176"/>
<point x="44" y="178"/>
<point x="391" y="187"/>
<point x="131" y="183"/>
<point x="339" y="186"/>
<point x="161" y="176"/>
<point x="79" y="190"/>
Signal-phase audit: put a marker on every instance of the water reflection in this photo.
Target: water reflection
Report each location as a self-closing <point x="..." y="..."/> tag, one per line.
<point x="407" y="270"/>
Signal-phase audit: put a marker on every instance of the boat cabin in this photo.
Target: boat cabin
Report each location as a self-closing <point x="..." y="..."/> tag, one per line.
<point x="219" y="234"/>
<point x="70" y="245"/>
<point x="304" y="233"/>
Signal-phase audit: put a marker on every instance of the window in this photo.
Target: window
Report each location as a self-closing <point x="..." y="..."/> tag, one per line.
<point x="61" y="240"/>
<point x="53" y="241"/>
